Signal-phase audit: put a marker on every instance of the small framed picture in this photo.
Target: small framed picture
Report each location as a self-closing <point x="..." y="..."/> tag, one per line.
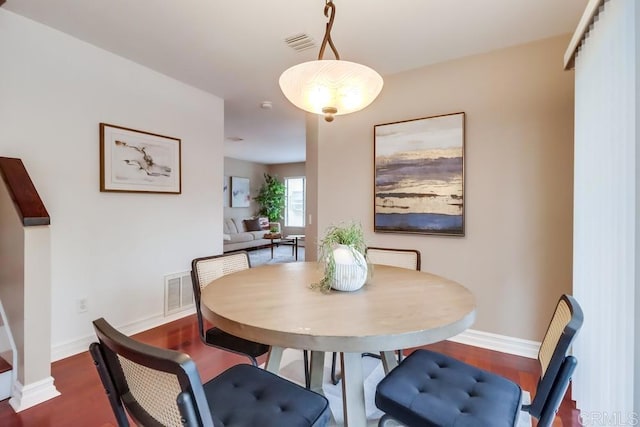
<point x="139" y="162"/>
<point x="240" y="197"/>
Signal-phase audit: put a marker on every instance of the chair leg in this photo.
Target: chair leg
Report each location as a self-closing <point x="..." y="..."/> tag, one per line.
<point x="377" y="356"/>
<point x="334" y="377"/>
<point x="109" y="386"/>
<point x="307" y="375"/>
<point x="558" y="390"/>
<point x="383" y="420"/>
<point x="254" y="362"/>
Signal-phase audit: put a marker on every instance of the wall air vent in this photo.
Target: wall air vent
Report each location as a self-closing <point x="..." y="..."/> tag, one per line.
<point x="300" y="42"/>
<point x="178" y="293"/>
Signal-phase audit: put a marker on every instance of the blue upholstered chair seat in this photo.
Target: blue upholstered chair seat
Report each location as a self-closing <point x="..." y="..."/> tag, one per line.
<point x="239" y="398"/>
<point x="431" y="389"/>
<point x="160" y="387"/>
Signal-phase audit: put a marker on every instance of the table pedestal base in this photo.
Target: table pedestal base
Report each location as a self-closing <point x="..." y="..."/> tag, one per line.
<point x="353" y="398"/>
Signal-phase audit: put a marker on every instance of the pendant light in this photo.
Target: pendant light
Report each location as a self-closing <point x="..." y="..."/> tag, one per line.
<point x="330" y="87"/>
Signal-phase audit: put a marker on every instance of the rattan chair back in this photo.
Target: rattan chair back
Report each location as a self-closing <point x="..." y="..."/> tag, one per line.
<point x="156" y="387"/>
<point x="555" y="362"/>
<point x="207" y="269"/>
<point x="403" y="258"/>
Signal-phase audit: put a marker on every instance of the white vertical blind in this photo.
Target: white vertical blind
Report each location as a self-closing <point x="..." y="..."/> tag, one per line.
<point x="605" y="215"/>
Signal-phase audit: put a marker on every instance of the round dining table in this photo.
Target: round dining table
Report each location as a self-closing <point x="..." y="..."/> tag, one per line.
<point x="398" y="308"/>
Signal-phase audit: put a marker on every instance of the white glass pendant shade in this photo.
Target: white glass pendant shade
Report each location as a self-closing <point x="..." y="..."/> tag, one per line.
<point x="330" y="87"/>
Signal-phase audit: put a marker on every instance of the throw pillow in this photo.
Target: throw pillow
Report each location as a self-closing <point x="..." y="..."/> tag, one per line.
<point x="264" y="223"/>
<point x="252" y="224"/>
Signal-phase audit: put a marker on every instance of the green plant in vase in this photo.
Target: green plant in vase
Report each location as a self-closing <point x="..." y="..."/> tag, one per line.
<point x="271" y="198"/>
<point x="345" y="241"/>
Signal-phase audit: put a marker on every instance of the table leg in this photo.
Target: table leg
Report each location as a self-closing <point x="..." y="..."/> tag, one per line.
<point x="271" y="248"/>
<point x="273" y="359"/>
<point x="389" y="360"/>
<point x="316" y="371"/>
<point x="296" y="245"/>
<point x="353" y="390"/>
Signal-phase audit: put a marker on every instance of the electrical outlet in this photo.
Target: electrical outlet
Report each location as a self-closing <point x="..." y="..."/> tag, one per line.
<point x="82" y="305"/>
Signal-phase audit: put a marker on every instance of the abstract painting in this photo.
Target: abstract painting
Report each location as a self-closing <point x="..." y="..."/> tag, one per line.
<point x="419" y="176"/>
<point x="240" y="197"/>
<point x="226" y="191"/>
<point x="139" y="162"/>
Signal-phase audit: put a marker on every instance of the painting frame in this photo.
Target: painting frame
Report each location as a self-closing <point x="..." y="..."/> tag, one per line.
<point x="226" y="191"/>
<point x="240" y="192"/>
<point x="135" y="161"/>
<point x="419" y="178"/>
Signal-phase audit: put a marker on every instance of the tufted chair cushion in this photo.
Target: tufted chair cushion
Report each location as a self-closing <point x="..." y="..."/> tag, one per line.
<point x="237" y="399"/>
<point x="431" y="389"/>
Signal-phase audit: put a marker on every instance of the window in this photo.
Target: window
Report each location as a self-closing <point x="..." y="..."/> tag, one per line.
<point x="295" y="201"/>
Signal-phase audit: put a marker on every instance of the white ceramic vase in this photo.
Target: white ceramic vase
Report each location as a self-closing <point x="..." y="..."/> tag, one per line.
<point x="351" y="269"/>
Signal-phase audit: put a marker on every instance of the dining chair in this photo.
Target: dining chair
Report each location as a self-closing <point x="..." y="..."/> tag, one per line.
<point x="203" y="271"/>
<point x="161" y="387"/>
<point x="403" y="258"/>
<point x="432" y="389"/>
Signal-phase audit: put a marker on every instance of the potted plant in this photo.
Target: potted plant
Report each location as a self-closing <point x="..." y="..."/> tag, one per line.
<point x="271" y="198"/>
<point x="342" y="254"/>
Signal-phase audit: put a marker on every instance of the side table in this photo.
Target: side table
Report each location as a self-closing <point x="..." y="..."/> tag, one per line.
<point x="295" y="238"/>
<point x="273" y="237"/>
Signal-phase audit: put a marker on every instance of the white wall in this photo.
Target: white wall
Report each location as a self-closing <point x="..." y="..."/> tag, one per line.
<point x="516" y="255"/>
<point x="113" y="249"/>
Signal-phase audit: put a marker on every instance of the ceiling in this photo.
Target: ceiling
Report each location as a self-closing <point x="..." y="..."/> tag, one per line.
<point x="236" y="49"/>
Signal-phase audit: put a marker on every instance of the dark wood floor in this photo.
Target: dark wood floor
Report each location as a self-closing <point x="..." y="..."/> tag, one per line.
<point x="83" y="402"/>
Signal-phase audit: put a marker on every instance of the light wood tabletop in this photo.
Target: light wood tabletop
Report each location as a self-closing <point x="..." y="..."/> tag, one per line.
<point x="399" y="308"/>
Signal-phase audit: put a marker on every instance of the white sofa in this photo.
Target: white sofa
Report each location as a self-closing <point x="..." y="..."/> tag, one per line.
<point x="236" y="236"/>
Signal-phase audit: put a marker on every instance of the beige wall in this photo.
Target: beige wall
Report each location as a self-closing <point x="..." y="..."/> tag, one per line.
<point x="313" y="175"/>
<point x="285" y="170"/>
<point x="255" y="172"/>
<point x="516" y="256"/>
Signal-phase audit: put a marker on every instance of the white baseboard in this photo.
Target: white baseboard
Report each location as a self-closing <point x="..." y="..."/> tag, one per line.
<point x="71" y="348"/>
<point x="501" y="343"/>
<point x="490" y="341"/>
<point x="26" y="396"/>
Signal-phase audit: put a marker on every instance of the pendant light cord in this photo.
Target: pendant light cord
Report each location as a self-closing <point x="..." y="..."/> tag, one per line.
<point x="329" y="9"/>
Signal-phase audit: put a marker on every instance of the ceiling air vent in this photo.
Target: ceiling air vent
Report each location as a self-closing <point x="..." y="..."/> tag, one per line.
<point x="300" y="42"/>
